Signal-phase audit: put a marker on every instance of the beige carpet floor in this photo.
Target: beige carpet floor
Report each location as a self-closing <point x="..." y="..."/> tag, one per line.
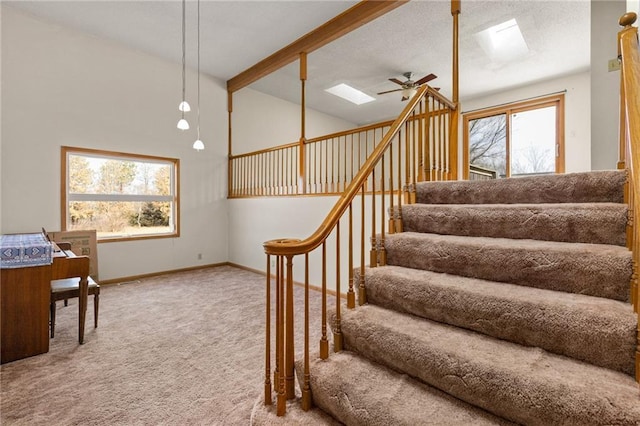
<point x="179" y="349"/>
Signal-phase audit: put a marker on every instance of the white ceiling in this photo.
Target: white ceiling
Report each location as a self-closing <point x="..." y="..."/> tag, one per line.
<point x="414" y="37"/>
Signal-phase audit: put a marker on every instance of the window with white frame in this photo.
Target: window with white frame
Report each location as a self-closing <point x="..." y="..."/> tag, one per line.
<point x="121" y="196"/>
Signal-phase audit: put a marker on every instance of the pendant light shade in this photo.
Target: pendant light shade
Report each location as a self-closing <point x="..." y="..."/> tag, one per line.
<point x="198" y="145"/>
<point x="184" y="106"/>
<point x="183" y="124"/>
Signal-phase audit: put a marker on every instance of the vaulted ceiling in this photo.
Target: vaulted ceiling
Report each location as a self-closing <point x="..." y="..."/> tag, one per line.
<point x="414" y="37"/>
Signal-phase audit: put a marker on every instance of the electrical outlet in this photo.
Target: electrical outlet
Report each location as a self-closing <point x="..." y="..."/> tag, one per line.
<point x="199" y="256"/>
<point x="614" y="65"/>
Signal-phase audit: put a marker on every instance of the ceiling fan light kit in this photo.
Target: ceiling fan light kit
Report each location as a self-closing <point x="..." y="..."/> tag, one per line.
<point x="409" y="87"/>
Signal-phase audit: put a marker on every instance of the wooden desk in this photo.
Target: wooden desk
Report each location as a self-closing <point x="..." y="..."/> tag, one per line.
<point x="24" y="304"/>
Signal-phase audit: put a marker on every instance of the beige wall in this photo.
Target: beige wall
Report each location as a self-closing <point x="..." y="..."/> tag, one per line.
<point x="63" y="87"/>
<point x="262" y="121"/>
<point x="605" y="85"/>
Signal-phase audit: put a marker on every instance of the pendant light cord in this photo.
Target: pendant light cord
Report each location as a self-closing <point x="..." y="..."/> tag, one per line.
<point x="198" y="69"/>
<point x="184" y="54"/>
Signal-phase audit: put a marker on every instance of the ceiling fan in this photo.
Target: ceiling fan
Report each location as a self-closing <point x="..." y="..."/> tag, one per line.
<point x="409" y="86"/>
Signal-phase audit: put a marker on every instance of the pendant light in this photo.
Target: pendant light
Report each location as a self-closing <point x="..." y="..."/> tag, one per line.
<point x="198" y="145"/>
<point x="183" y="124"/>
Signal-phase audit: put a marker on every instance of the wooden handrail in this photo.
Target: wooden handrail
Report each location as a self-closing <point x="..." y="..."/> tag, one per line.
<point x="289" y="247"/>
<point x="264" y="151"/>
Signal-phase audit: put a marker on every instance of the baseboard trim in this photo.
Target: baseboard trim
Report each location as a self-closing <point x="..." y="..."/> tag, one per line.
<point x="157" y="274"/>
<point x="299" y="284"/>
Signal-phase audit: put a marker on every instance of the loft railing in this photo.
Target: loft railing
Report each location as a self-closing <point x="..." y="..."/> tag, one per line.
<point x="629" y="54"/>
<point x="330" y="162"/>
<point x="419" y="145"/>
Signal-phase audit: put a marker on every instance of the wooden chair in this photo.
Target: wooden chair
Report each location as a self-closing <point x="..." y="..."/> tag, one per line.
<point x="71" y="279"/>
<point x="69" y="288"/>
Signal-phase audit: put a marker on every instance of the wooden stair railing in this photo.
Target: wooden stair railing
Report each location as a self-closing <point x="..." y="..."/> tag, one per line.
<point x="629" y="54"/>
<point x="418" y="146"/>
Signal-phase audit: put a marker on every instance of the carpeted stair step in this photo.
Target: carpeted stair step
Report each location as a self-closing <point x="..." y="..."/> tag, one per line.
<point x="523" y="384"/>
<point x="592" y="329"/>
<point x="357" y="391"/>
<point x="595" y="223"/>
<point x="587" y="187"/>
<point x="591" y="269"/>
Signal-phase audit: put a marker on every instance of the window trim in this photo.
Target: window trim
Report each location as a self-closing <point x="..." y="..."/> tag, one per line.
<point x="556" y="100"/>
<point x="64" y="204"/>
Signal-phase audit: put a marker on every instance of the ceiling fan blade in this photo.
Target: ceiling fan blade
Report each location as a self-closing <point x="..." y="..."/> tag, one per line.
<point x="396" y="81"/>
<point x="425" y="79"/>
<point x="389" y="91"/>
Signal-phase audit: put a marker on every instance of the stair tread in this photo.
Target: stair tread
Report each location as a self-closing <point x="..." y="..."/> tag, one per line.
<point x="594" y="186"/>
<point x="596" y="269"/>
<point x="525" y="384"/>
<point x="349" y="387"/>
<point x="564" y="323"/>
<point x="598" y="223"/>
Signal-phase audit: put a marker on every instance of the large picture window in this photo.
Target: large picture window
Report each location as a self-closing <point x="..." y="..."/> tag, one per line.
<point x="121" y="196"/>
<point x="518" y="139"/>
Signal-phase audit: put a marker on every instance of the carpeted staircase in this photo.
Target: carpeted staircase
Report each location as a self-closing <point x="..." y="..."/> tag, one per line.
<point x="503" y="301"/>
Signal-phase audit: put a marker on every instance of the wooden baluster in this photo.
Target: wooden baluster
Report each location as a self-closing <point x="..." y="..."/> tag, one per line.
<point x="351" y="295"/>
<point x="245" y="181"/>
<point x="326" y="166"/>
<point x="289" y="361"/>
<point x="324" y="343"/>
<point x="434" y="139"/>
<point x="359" y="151"/>
<point x="373" y="258"/>
<point x="337" y="334"/>
<point x="366" y="145"/>
<point x="285" y="171"/>
<point x="306" y="383"/>
<point x="428" y="153"/>
<point x="282" y="390"/>
<point x="308" y="183"/>
<point x="352" y="159"/>
<point x="362" y="295"/>
<point x="316" y="168"/>
<point x="256" y="182"/>
<point x="407" y="165"/>
<point x="443" y="143"/>
<point x="344" y="181"/>
<point x="398" y="227"/>
<point x="267" y="363"/>
<point x="420" y="143"/>
<point x="276" y="373"/>
<point x="383" y="222"/>
<point x="392" y="213"/>
<point x="333" y="168"/>
<point x="252" y="179"/>
<point x="414" y="141"/>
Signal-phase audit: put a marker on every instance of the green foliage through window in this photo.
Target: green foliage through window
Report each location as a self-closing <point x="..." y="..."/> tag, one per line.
<point x="120" y="195"/>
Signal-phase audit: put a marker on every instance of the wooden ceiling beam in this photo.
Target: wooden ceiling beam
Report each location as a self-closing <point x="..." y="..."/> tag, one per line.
<point x="349" y="20"/>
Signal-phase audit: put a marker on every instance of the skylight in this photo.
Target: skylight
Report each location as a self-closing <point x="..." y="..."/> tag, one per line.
<point x="350" y="94"/>
<point x="503" y="42"/>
